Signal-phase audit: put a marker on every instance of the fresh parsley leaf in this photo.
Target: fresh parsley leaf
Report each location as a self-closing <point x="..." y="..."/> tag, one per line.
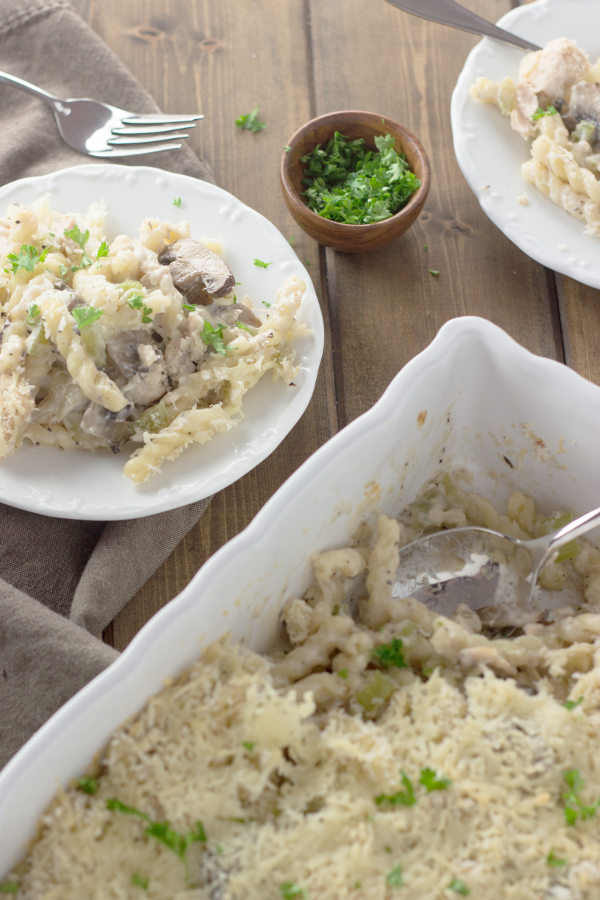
<point x="117" y="805"/>
<point x="27" y="258"/>
<point x="32" y="314"/>
<point x="343" y="673"/>
<point x="213" y="337"/>
<point x="287" y="148"/>
<point x="540" y="113"/>
<point x="394" y="877"/>
<point x="404" y="797"/>
<point x="63" y="270"/>
<point x="459" y="887"/>
<point x="291" y="891"/>
<point x="244" y="327"/>
<point x="264" y="303"/>
<point x="102" y="250"/>
<point x="250" y="121"/>
<point x="139" y="881"/>
<point x="348" y="183"/>
<point x="189" y="306"/>
<point x="9" y="887"/>
<point x="88" y="784"/>
<point x="572" y="704"/>
<point x="390" y="655"/>
<point x="434" y="272"/>
<point x="162" y="832"/>
<point x="177" y="201"/>
<point x="248" y="745"/>
<point x="431" y="781"/>
<point x="260" y="264"/>
<point x="76" y="234"/>
<point x="137" y="302"/>
<point x="85" y="315"/>
<point x="574" y="807"/>
<point x="555" y="861"/>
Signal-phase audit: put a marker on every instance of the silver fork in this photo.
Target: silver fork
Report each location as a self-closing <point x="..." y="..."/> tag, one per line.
<point x="99" y="129"/>
<point x="448" y="12"/>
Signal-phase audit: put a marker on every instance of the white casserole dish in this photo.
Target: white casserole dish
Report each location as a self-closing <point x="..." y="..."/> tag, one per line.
<point x="474" y="398"/>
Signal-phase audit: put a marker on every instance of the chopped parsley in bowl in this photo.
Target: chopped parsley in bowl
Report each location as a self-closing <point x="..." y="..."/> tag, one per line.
<point x="354" y="180"/>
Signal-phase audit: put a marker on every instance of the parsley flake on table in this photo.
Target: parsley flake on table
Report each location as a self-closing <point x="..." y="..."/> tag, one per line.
<point x="404" y="797"/>
<point x="350" y="184"/>
<point x="390" y="655"/>
<point x="27" y="258"/>
<point x="394" y="878"/>
<point x="250" y="121"/>
<point x="459" y="887"/>
<point x="432" y="781"/>
<point x="85" y="315"/>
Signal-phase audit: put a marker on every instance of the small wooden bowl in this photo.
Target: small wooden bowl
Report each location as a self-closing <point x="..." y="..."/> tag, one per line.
<point x="352" y="124"/>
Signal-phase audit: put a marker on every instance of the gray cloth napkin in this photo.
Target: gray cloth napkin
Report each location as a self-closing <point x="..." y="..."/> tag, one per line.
<point x="62" y="581"/>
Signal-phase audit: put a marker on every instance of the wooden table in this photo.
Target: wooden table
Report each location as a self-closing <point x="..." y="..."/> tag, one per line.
<point x="296" y="59"/>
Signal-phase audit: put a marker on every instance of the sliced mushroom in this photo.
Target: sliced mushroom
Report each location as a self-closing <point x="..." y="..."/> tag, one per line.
<point x="124" y="351"/>
<point x="106" y="425"/>
<point x="197" y="272"/>
<point x="238" y="313"/>
<point x="584" y="107"/>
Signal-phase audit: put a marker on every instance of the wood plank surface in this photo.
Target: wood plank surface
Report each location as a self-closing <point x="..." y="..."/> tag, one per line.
<point x="296" y="59"/>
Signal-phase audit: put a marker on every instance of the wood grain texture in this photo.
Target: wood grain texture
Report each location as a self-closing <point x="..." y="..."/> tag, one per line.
<point x="301" y="58"/>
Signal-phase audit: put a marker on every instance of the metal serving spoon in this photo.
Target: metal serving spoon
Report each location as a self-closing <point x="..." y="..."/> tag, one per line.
<point x="447" y="12"/>
<point x="490" y="572"/>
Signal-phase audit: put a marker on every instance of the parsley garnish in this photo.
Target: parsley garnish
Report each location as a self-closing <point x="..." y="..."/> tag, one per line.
<point x="431" y="781"/>
<point x="343" y="673"/>
<point x="555" y="861"/>
<point x="394" y="877"/>
<point x="249" y="746"/>
<point x="574" y="806"/>
<point x="102" y="250"/>
<point x="350" y="184"/>
<point x="261" y="265"/>
<point x="250" y="121"/>
<point x="32" y="314"/>
<point x="189" y="306"/>
<point x="572" y="704"/>
<point x="88" y="784"/>
<point x="85" y="315"/>
<point x="27" y="257"/>
<point x="290" y="890"/>
<point x="434" y="272"/>
<point x="390" y="655"/>
<point x="163" y="832"/>
<point x="177" y="201"/>
<point x="459" y="887"/>
<point x="9" y="887"/>
<point x="137" y="302"/>
<point x="213" y="337"/>
<point x="139" y="881"/>
<point x="540" y="113"/>
<point x="80" y="238"/>
<point x="404" y="797"/>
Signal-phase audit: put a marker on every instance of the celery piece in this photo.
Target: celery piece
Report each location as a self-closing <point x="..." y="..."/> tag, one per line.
<point x="585" y="131"/>
<point x="154" y="418"/>
<point x="375" y="692"/>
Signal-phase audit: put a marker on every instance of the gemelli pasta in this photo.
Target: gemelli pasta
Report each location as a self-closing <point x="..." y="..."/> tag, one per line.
<point x="139" y="339"/>
<point x="555" y="105"/>
<point x="382" y="749"/>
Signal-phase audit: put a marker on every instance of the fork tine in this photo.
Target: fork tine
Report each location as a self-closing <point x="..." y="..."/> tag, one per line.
<point x="118" y="141"/>
<point x="134" y="151"/>
<point x="159" y="119"/>
<point x="150" y="129"/>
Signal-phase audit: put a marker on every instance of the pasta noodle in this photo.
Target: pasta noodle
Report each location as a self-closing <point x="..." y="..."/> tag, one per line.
<point x="133" y="340"/>
<point x="555" y="104"/>
<point x="383" y="747"/>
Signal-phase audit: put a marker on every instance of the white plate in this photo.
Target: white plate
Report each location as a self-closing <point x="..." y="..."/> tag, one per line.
<point x="490" y="153"/>
<point x="80" y="485"/>
<point x="435" y="416"/>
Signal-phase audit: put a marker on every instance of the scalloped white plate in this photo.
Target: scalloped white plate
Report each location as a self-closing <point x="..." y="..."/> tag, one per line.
<point x="80" y="485"/>
<point x="490" y="154"/>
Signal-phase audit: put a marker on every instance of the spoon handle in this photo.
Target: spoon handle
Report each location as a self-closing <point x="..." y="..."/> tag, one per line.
<point x="447" y="12"/>
<point x="578" y="527"/>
